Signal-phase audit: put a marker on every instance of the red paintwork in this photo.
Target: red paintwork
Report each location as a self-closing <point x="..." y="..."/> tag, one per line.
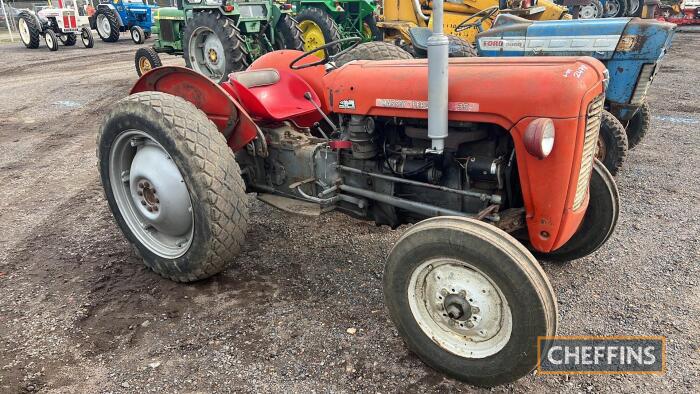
<point x="69" y="22"/>
<point x="479" y="87"/>
<point x="219" y="105"/>
<point x="280" y="101"/>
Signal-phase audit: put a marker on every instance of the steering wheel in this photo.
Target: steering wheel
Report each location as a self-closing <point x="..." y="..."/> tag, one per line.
<point x="355" y="40"/>
<point x="484" y="14"/>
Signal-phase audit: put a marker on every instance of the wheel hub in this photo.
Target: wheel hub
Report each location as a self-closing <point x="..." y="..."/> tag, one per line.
<point x="144" y="65"/>
<point x="457" y="307"/>
<point x="213" y="56"/>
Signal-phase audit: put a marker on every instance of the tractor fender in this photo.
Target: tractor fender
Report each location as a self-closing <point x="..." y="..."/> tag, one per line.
<point x="111" y="6"/>
<point x="221" y="108"/>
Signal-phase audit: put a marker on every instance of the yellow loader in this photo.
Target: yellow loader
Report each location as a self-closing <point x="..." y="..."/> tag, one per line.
<point x="462" y="18"/>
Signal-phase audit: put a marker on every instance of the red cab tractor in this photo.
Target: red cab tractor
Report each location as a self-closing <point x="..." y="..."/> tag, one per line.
<point x="64" y="23"/>
<point x="487" y="177"/>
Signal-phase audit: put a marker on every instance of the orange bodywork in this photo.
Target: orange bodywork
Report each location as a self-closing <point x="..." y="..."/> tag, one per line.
<point x="509" y="92"/>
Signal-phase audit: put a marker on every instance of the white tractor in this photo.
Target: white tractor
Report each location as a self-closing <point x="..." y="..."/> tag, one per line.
<point x="63" y="23"/>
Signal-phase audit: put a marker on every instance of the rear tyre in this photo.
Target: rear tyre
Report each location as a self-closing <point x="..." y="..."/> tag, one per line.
<point x="634" y="8"/>
<point x="173" y="185"/>
<point x="612" y="143"/>
<point x="318" y="28"/>
<point x="146" y="59"/>
<point x="51" y="40"/>
<point x="288" y="34"/>
<point x="469" y="300"/>
<point x="87" y="38"/>
<point x="28" y="30"/>
<point x="107" y="24"/>
<point x="137" y="35"/>
<point x="68" y="39"/>
<point x="599" y="221"/>
<point x="375" y="50"/>
<point x="213" y="46"/>
<point x="638" y="126"/>
<point x="615" y="8"/>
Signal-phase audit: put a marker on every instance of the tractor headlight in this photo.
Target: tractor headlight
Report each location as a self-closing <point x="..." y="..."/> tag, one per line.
<point x="539" y="137"/>
<point x="645" y="78"/>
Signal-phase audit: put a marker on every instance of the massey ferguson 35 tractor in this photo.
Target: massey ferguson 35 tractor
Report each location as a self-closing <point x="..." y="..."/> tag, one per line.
<point x="63" y="23"/>
<point x="116" y="16"/>
<point x="631" y="49"/>
<point x="485" y="175"/>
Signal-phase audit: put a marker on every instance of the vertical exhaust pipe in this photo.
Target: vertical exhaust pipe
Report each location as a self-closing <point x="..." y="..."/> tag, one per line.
<point x="438" y="52"/>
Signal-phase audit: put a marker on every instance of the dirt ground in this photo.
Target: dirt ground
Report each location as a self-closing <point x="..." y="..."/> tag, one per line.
<point x="80" y="313"/>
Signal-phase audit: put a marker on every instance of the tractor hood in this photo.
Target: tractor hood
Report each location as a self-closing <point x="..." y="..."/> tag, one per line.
<point x="604" y="39"/>
<point x="171" y="13"/>
<point x="500" y="91"/>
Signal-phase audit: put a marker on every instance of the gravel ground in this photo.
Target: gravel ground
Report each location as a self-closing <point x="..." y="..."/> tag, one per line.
<point x="80" y="313"/>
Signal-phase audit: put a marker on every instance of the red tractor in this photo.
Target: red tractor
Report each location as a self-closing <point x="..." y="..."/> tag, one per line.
<point x="488" y="178"/>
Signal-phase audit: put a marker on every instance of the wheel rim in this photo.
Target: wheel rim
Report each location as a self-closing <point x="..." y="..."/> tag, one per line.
<point x="136" y="35"/>
<point x="151" y="194"/>
<point x="460" y="308"/>
<point x="588" y="11"/>
<point x="634" y="6"/>
<point x="49" y="40"/>
<point x="103" y="26"/>
<point x="144" y="65"/>
<point x="207" y="53"/>
<point x="24" y="31"/>
<point x="313" y="36"/>
<point x="612" y="7"/>
<point x="85" y="37"/>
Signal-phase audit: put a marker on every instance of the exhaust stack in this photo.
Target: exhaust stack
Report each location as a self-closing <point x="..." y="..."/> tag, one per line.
<point x="438" y="52"/>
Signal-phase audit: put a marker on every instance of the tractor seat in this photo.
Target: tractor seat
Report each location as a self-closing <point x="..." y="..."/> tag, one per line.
<point x="275" y="96"/>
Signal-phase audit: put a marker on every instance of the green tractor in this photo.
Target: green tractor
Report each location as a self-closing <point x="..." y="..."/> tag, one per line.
<point x="218" y="37"/>
<point x="324" y="21"/>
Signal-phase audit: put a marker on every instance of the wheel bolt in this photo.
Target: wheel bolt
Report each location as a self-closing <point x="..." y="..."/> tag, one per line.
<point x="475" y="309"/>
<point x="155" y="209"/>
<point x="143" y="202"/>
<point x="444" y="292"/>
<point x="470" y="324"/>
<point x="149" y="209"/>
<point x="141" y="185"/>
<point x="157" y="201"/>
<point x="140" y="193"/>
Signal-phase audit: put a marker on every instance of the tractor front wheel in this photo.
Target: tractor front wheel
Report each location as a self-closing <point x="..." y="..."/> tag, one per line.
<point x="28" y="30"/>
<point x="146" y="60"/>
<point x="638" y="126"/>
<point x="469" y="300"/>
<point x="68" y="39"/>
<point x="317" y="29"/>
<point x="288" y="34"/>
<point x="612" y="143"/>
<point x="213" y="46"/>
<point x="137" y="35"/>
<point x="599" y="221"/>
<point x="173" y="185"/>
<point x="86" y="37"/>
<point x="107" y="24"/>
<point x="51" y="40"/>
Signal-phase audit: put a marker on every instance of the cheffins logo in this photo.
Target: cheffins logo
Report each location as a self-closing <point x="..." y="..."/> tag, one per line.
<point x="346" y="104"/>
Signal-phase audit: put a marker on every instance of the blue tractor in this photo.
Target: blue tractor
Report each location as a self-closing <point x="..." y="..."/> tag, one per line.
<point x="631" y="48"/>
<point x="113" y="17"/>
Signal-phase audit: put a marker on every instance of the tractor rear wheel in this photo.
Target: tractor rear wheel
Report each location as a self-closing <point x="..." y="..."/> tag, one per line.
<point x="469" y="300"/>
<point x="288" y="34"/>
<point x="173" y="185"/>
<point x="86" y="37"/>
<point x="374" y="50"/>
<point x="592" y="10"/>
<point x="146" y="59"/>
<point x="634" y="8"/>
<point x="51" y="40"/>
<point x="317" y="29"/>
<point x="599" y="221"/>
<point x="213" y="46"/>
<point x="137" y="35"/>
<point x="460" y="47"/>
<point x="28" y="30"/>
<point x="615" y="8"/>
<point x="370" y="31"/>
<point x="612" y="143"/>
<point x="107" y="24"/>
<point x="68" y="39"/>
<point x="638" y="126"/>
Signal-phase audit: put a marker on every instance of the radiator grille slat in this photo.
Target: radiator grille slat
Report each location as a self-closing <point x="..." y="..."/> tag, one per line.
<point x="590" y="142"/>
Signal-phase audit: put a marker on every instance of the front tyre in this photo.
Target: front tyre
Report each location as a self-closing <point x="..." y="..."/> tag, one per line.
<point x="146" y="59"/>
<point x="288" y="34"/>
<point x="173" y="185"/>
<point x="469" y="300"/>
<point x="373" y="50"/>
<point x="68" y="39"/>
<point x="599" y="221"/>
<point x="137" y="35"/>
<point x="612" y="143"/>
<point x="86" y="37"/>
<point x="51" y="40"/>
<point x="639" y="125"/>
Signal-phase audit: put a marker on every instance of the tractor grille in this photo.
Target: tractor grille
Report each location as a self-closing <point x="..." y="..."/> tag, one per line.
<point x="590" y="142"/>
<point x="166" y="31"/>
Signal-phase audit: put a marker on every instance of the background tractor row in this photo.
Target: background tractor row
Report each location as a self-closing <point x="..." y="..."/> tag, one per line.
<point x="63" y="23"/>
<point x="113" y="17"/>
